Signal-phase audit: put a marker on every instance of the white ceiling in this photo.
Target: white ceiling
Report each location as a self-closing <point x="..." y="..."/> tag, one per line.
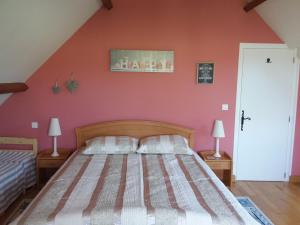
<point x="32" y="30"/>
<point x="283" y="16"/>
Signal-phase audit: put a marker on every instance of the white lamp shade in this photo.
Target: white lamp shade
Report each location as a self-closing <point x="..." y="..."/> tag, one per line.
<point x="218" y="131"/>
<point x="54" y="128"/>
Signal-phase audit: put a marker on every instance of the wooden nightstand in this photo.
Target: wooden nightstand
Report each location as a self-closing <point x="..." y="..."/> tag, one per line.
<point x="45" y="161"/>
<point x="221" y="166"/>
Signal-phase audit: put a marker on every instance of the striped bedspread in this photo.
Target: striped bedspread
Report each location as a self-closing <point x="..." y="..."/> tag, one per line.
<point x="135" y="189"/>
<point x="17" y="172"/>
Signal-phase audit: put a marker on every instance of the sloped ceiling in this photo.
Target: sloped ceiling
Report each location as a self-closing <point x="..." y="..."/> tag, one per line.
<point x="32" y="30"/>
<point x="283" y="17"/>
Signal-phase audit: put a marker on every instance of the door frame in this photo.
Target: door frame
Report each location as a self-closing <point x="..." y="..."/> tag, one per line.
<point x="293" y="109"/>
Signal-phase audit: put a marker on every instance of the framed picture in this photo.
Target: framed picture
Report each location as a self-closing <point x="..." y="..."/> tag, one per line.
<point x="205" y="73"/>
<point x="141" y="61"/>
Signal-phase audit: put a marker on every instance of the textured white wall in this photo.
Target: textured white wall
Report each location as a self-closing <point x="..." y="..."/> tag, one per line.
<point x="283" y="17"/>
<point x="32" y="30"/>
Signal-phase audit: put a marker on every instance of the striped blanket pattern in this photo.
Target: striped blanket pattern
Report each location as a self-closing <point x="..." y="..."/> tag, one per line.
<point x="134" y="189"/>
<point x="17" y="172"/>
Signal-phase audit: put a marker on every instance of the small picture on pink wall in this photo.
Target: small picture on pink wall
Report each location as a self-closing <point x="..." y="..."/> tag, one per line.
<point x="141" y="61"/>
<point x="205" y="73"/>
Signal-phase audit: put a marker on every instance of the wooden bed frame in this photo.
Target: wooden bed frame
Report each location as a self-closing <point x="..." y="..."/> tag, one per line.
<point x="20" y="141"/>
<point x="133" y="128"/>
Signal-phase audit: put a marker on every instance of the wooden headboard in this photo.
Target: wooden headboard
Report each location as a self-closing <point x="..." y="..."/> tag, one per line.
<point x="133" y="128"/>
<point x="20" y="141"/>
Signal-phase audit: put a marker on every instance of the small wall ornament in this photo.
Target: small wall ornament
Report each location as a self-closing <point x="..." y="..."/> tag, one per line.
<point x="56" y="88"/>
<point x="71" y="84"/>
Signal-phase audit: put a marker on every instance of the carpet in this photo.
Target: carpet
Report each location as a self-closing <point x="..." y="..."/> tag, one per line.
<point x="18" y="210"/>
<point x="254" y="211"/>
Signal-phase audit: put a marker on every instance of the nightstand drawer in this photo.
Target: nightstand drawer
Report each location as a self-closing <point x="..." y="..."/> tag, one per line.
<point x="47" y="165"/>
<point x="50" y="163"/>
<point x="219" y="165"/>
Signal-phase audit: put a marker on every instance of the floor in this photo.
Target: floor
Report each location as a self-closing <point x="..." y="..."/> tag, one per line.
<point x="279" y="201"/>
<point x="31" y="193"/>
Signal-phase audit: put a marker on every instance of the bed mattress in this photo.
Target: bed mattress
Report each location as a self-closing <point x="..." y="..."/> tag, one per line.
<point x="135" y="189"/>
<point x="17" y="172"/>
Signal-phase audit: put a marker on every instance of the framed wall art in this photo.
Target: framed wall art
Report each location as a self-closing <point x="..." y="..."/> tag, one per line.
<point x="205" y="73"/>
<point x="141" y="61"/>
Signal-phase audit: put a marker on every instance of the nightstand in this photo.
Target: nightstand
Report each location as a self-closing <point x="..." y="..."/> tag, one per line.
<point x="47" y="165"/>
<point x="221" y="166"/>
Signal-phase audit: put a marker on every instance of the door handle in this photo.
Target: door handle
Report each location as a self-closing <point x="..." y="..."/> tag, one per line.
<point x="243" y="118"/>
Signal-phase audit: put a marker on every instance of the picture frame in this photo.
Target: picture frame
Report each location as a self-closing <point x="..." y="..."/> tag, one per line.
<point x="153" y="61"/>
<point x="205" y="72"/>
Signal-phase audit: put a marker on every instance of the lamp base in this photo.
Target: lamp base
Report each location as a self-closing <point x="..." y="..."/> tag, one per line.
<point x="54" y="154"/>
<point x="217" y="155"/>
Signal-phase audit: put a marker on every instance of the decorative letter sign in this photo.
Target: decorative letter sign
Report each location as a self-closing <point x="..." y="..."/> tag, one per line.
<point x="141" y="61"/>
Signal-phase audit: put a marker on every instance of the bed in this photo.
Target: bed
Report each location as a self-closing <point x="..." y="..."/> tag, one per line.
<point x="17" y="169"/>
<point x="134" y="189"/>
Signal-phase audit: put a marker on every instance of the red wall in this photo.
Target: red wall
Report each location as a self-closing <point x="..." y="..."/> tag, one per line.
<point x="197" y="30"/>
<point x="296" y="158"/>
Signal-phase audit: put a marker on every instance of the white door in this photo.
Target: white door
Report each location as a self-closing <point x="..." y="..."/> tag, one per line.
<point x="267" y="83"/>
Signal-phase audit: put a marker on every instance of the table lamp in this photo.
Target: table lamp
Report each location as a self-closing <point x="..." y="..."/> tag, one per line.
<point x="54" y="131"/>
<point x="218" y="132"/>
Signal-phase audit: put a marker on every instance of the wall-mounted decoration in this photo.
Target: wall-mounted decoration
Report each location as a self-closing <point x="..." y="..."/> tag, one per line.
<point x="72" y="84"/>
<point x="141" y="61"/>
<point x="205" y="73"/>
<point x="56" y="88"/>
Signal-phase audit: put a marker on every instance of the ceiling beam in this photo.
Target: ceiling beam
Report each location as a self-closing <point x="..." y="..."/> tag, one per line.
<point x="107" y="4"/>
<point x="12" y="87"/>
<point x="251" y="5"/>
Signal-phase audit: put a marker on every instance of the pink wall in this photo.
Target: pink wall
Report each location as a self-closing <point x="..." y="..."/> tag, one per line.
<point x="197" y="30"/>
<point x="296" y="159"/>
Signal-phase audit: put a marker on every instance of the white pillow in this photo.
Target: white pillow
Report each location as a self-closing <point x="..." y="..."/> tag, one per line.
<point x="111" y="145"/>
<point x="164" y="144"/>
